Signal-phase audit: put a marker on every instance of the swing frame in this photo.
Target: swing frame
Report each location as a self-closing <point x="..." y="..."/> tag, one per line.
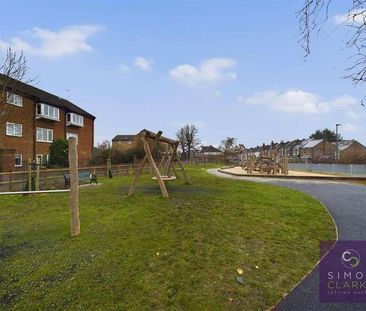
<point x="150" y="141"/>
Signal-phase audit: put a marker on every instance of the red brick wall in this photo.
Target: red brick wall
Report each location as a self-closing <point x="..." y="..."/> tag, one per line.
<point x="85" y="140"/>
<point x="22" y="115"/>
<point x="7" y="160"/>
<point x="27" y="144"/>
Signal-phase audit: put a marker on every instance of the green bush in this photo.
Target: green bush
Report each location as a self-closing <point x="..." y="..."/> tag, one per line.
<point x="59" y="153"/>
<point x="117" y="157"/>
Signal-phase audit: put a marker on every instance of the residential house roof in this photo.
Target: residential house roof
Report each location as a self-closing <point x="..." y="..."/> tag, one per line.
<point x="311" y="143"/>
<point x="43" y="96"/>
<point x="344" y="144"/>
<point x="124" y="138"/>
<point x="209" y="148"/>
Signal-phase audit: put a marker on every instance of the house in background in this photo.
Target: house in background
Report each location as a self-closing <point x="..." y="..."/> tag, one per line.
<point x="210" y="151"/>
<point x="133" y="142"/>
<point x="351" y="151"/>
<point x="33" y="119"/>
<point x="125" y="142"/>
<point x="317" y="150"/>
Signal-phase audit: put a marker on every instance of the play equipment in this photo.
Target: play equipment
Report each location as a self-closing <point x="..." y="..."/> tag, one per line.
<point x="268" y="161"/>
<point x="170" y="157"/>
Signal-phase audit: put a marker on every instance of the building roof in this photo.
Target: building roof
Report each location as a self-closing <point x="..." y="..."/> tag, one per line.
<point x="124" y="138"/>
<point x="311" y="143"/>
<point x="44" y="97"/>
<point x="209" y="148"/>
<point x="344" y="144"/>
<point x="293" y="143"/>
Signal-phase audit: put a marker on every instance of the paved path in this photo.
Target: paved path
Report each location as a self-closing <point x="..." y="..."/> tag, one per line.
<point x="347" y="204"/>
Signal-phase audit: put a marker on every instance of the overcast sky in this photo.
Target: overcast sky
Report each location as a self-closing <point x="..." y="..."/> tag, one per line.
<point x="233" y="68"/>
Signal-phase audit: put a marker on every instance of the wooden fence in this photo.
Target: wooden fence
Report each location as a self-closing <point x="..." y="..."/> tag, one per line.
<point x="45" y="179"/>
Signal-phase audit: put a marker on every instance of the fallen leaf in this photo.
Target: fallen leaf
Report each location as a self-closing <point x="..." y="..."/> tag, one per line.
<point x="240" y="271"/>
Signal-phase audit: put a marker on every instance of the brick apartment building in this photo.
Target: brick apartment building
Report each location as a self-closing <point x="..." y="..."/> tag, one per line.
<point x="30" y="119"/>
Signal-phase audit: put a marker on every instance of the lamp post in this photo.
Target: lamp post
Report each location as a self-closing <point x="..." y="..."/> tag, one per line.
<point x="336" y="155"/>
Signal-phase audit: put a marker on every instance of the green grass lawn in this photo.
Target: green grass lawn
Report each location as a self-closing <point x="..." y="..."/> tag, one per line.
<point x="149" y="253"/>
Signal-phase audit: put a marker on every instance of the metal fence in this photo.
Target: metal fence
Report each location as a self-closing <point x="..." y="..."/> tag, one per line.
<point x="341" y="169"/>
<point x="54" y="178"/>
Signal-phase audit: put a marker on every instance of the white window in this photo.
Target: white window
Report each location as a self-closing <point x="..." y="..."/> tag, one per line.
<point x="48" y="112"/>
<point x="18" y="160"/>
<point x="14" y="99"/>
<point x="14" y="129"/>
<point x="42" y="159"/>
<point x="74" y="119"/>
<point x="44" y="135"/>
<point x="69" y="134"/>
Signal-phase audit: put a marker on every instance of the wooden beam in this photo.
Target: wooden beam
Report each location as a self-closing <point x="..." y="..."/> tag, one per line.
<point x="160" y="181"/>
<point x="142" y="165"/>
<point x="185" y="175"/>
<point x="170" y="159"/>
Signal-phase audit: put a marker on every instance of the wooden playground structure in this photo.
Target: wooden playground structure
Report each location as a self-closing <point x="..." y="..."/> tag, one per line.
<point x="267" y="162"/>
<point x="170" y="158"/>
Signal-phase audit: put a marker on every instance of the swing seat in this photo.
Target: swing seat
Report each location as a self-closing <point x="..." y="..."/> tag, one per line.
<point x="166" y="178"/>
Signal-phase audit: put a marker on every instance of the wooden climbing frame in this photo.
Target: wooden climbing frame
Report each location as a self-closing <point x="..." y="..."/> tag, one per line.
<point x="150" y="141"/>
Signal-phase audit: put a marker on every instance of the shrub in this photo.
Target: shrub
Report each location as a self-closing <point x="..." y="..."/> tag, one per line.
<point x="59" y="153"/>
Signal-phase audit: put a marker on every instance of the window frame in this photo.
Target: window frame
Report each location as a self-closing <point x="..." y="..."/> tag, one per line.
<point x="71" y="119"/>
<point x="14" y="96"/>
<point x="48" y="131"/>
<point x="21" y="160"/>
<point x="13" y="124"/>
<point x="41" y="112"/>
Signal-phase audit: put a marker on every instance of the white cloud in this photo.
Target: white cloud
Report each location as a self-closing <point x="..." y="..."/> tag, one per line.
<point x="354" y="16"/>
<point x="209" y="71"/>
<point x="53" y="44"/>
<point x="344" y="101"/>
<point x="124" y="68"/>
<point x="348" y="127"/>
<point x="143" y="63"/>
<point x="296" y="101"/>
<point x="353" y="115"/>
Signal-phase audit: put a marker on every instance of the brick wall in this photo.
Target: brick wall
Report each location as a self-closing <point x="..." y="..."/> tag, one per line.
<point x="28" y="146"/>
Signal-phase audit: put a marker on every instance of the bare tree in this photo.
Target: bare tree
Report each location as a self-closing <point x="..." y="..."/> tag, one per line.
<point x="182" y="140"/>
<point x="13" y="70"/>
<point x="313" y="15"/>
<point x="229" y="147"/>
<point x="188" y="139"/>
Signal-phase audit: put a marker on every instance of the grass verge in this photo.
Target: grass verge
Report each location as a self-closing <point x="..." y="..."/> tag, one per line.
<point x="149" y="253"/>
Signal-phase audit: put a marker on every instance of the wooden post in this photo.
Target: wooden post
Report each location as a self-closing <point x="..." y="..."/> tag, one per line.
<point x="109" y="167"/>
<point x="37" y="177"/>
<point x="285" y="158"/>
<point x="74" y="187"/>
<point x="130" y="171"/>
<point x="29" y="174"/>
<point x="142" y="165"/>
<point x="185" y="175"/>
<point x="164" y="192"/>
<point x="11" y="181"/>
